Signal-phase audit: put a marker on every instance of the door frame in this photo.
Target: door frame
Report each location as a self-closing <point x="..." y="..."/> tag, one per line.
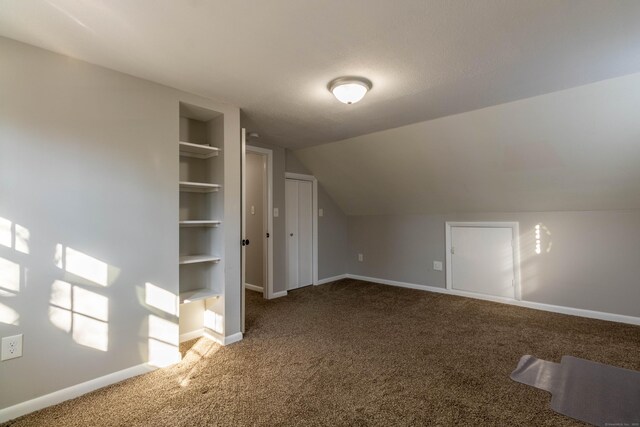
<point x="515" y="243"/>
<point x="314" y="220"/>
<point x="267" y="290"/>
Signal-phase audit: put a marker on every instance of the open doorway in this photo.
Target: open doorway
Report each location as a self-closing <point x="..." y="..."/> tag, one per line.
<point x="258" y="222"/>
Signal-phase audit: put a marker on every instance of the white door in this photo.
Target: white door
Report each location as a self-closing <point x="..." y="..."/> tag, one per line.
<point x="291" y="214"/>
<point x="305" y="233"/>
<point x="299" y="220"/>
<point x="482" y="260"/>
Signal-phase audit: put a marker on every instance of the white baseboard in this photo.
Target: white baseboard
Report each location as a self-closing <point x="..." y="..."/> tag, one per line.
<point x="620" y="318"/>
<point x="232" y="338"/>
<point x="188" y="336"/>
<point x="213" y="336"/>
<point x="254" y="287"/>
<point x="331" y="279"/>
<point x="74" y="391"/>
<point x="222" y="340"/>
<point x="279" y="294"/>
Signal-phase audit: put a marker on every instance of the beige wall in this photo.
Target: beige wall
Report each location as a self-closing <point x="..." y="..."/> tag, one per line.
<point x="332" y="227"/>
<point x="572" y="150"/>
<point x="89" y="166"/>
<point x="590" y="260"/>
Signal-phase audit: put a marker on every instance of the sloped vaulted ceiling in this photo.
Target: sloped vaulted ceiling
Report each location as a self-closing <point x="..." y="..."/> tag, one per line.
<point x="577" y="149"/>
<point x="273" y="59"/>
<point x="428" y="60"/>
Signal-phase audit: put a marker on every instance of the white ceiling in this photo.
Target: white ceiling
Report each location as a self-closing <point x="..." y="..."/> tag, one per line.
<point x="577" y="149"/>
<point x="426" y="58"/>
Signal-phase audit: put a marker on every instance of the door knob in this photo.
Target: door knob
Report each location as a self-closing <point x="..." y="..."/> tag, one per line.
<point x="291" y="234"/>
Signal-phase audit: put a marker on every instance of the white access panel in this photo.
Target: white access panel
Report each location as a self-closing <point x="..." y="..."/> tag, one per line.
<point x="305" y="233"/>
<point x="482" y="260"/>
<point x="291" y="213"/>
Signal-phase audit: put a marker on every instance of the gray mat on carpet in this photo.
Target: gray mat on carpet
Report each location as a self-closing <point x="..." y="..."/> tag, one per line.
<point x="592" y="392"/>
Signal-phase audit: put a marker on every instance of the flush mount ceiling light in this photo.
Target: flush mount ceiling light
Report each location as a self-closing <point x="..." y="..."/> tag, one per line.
<point x="349" y="90"/>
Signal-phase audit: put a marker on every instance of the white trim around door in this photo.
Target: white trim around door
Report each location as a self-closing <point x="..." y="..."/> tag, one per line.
<point x="268" y="289"/>
<point x="314" y="208"/>
<point x="515" y="226"/>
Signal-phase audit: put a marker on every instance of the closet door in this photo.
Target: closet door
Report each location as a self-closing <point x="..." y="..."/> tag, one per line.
<point x="482" y="260"/>
<point x="291" y="213"/>
<point x="305" y="233"/>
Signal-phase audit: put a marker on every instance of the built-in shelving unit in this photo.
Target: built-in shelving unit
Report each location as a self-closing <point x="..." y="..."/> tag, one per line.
<point x="198" y="295"/>
<point x="194" y="259"/>
<point x="199" y="187"/>
<point x="201" y="180"/>
<point x="199" y="151"/>
<point x="199" y="223"/>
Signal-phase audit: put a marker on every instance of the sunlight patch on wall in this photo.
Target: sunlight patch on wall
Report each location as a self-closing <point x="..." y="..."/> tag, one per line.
<point x="543" y="241"/>
<point x="85" y="266"/>
<point x="14" y="236"/>
<point x="60" y="318"/>
<point x="82" y="313"/>
<point x="163" y="334"/>
<point x="163" y="329"/>
<point x="60" y="305"/>
<point x="6" y="235"/>
<point x="90" y="332"/>
<point x="90" y="304"/>
<point x="9" y="316"/>
<point x="161" y="299"/>
<point x="22" y="239"/>
<point x="213" y="321"/>
<point x="61" y="294"/>
<point x="162" y="354"/>
<point x="9" y="276"/>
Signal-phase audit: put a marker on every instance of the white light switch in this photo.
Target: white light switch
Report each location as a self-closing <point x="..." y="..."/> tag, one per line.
<point x="360" y="257"/>
<point x="275" y="212"/>
<point x="320" y="212"/>
<point x="253" y="210"/>
<point x="437" y="265"/>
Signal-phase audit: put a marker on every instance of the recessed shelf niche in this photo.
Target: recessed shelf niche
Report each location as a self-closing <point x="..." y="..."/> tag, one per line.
<point x="201" y="175"/>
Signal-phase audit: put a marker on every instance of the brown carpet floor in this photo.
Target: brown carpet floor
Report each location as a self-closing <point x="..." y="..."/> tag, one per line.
<point x="355" y="353"/>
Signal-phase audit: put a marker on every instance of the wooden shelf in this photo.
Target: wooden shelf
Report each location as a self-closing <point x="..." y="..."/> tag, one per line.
<point x="197" y="295"/>
<point x="199" y="151"/>
<point x="199" y="223"/>
<point x="194" y="259"/>
<point x="198" y="187"/>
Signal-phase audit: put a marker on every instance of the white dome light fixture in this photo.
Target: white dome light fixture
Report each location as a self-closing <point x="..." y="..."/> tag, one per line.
<point x="349" y="90"/>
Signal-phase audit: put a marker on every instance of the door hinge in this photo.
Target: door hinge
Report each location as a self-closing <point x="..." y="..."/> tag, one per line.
<point x="453" y="250"/>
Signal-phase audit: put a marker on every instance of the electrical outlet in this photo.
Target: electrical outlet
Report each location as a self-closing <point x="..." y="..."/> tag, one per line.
<point x="437" y="265"/>
<point x="360" y="257"/>
<point x="11" y="347"/>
